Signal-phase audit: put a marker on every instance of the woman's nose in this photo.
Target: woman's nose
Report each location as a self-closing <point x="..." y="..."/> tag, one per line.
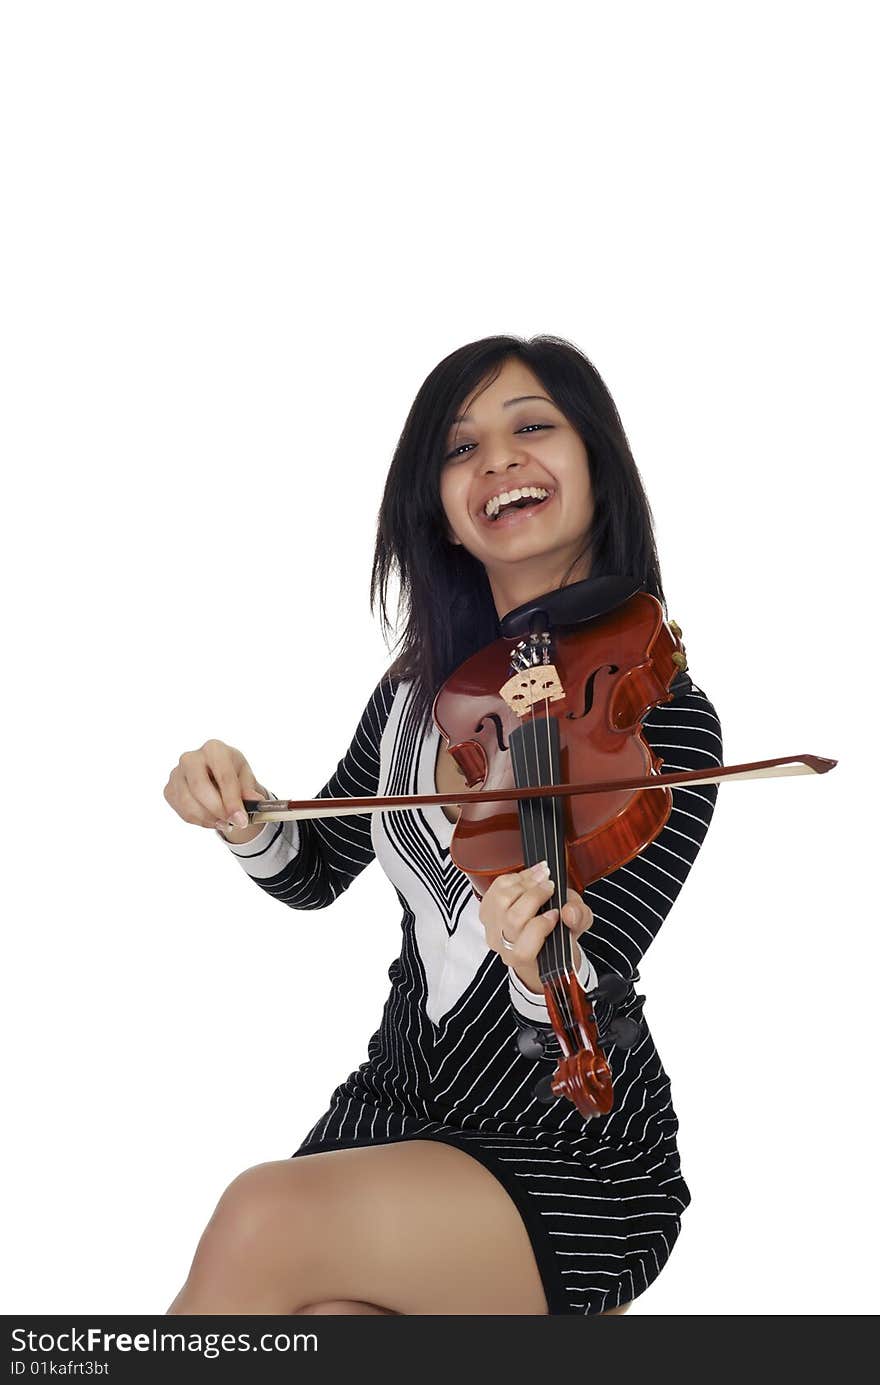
<point x="500" y="467"/>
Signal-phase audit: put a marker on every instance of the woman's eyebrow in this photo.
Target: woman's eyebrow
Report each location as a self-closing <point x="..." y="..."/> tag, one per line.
<point x="466" y="418"/>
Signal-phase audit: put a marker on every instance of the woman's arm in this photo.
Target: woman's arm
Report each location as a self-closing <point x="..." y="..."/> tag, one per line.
<point x="307" y="863"/>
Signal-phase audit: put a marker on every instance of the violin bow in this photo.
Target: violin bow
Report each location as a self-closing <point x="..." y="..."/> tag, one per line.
<point x="291" y="809"/>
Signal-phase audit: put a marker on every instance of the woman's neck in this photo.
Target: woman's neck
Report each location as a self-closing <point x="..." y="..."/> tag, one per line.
<point x="520" y="583"/>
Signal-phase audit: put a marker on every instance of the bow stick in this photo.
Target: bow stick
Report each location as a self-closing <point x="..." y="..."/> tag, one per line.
<point x="285" y="810"/>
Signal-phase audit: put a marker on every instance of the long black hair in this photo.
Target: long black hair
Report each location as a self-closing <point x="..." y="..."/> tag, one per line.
<point x="444" y="592"/>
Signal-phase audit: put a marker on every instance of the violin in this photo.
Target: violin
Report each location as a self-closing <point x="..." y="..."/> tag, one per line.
<point x="547" y="720"/>
<point x="561" y="697"/>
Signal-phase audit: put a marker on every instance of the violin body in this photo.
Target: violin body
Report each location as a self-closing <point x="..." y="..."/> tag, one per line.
<point x="613" y="669"/>
<point x="562" y="704"/>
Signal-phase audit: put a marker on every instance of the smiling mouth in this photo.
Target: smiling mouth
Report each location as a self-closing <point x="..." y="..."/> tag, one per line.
<point x="515" y="509"/>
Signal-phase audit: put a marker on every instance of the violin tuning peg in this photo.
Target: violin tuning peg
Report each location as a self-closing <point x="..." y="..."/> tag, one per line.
<point x="675" y="628"/>
<point x="543" y="1092"/>
<point x="679" y="658"/>
<point x="623" y="1032"/>
<point x="610" y="987"/>
<point x="530" y="1043"/>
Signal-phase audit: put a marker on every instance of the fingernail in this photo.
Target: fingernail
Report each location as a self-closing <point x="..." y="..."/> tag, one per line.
<point x="221" y="826"/>
<point x="540" y="870"/>
<point x="239" y="818"/>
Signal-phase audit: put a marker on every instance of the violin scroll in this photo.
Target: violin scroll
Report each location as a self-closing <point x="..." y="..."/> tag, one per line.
<point x="583" y="1074"/>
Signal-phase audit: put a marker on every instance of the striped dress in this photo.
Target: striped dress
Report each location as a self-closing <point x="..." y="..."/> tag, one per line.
<point x="601" y="1199"/>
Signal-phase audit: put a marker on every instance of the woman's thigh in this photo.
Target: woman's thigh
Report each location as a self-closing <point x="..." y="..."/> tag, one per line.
<point x="418" y="1227"/>
<point x="415" y="1227"/>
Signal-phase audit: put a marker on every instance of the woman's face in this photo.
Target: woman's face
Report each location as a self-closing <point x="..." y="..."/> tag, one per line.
<point x="507" y="442"/>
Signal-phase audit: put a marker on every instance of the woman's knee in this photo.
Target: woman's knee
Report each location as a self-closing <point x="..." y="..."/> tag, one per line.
<point x="259" y="1215"/>
<point x="346" y="1307"/>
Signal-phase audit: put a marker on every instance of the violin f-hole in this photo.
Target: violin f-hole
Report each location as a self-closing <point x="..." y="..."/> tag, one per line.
<point x="588" y="691"/>
<point x="499" y="730"/>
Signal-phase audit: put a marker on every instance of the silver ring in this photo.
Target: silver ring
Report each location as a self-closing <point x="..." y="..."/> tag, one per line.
<point x="505" y="942"/>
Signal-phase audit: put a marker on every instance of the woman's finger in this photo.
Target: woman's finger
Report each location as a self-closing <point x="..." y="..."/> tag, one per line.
<point x="506" y="882"/>
<point x="527" y="905"/>
<point x="515" y="882"/>
<point x="225" y="775"/>
<point x="189" y="809"/>
<point x="203" y="790"/>
<point x="576" y="913"/>
<point x="503" y="892"/>
<point x="530" y="938"/>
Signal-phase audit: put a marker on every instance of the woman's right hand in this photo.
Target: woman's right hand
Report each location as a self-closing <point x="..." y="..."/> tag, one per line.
<point x="206" y="787"/>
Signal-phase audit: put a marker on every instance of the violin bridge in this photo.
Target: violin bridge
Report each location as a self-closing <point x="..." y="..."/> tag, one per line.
<point x="532" y="686"/>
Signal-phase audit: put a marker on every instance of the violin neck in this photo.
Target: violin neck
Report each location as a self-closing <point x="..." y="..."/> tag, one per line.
<point x="534" y="750"/>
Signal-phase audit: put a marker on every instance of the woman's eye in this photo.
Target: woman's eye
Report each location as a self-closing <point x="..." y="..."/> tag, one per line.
<point x="519" y="430"/>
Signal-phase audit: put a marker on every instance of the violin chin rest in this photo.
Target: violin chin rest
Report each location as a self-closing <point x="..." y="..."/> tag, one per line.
<point x="570" y="605"/>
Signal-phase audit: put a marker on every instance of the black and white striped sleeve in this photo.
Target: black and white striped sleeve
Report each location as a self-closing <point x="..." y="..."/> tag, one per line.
<point x="307" y="863"/>
<point x="533" y="1007"/>
<point x="630" y="904"/>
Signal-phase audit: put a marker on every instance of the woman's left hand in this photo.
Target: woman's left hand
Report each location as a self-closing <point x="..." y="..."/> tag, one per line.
<point x="577" y="917"/>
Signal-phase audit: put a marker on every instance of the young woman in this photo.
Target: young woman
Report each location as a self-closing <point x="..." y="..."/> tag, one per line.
<point x="435" y="1182"/>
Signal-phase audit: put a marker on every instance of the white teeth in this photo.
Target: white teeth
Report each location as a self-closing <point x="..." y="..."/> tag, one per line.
<point x="494" y="505"/>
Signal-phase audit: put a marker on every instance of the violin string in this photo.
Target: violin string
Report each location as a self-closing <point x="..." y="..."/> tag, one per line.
<point x="562" y="938"/>
<point x="559" y="865"/>
<point x="529" y="830"/>
<point x="532" y="816"/>
<point x="534" y="807"/>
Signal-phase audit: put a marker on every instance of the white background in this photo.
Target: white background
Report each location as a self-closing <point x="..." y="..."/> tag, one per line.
<point x="237" y="238"/>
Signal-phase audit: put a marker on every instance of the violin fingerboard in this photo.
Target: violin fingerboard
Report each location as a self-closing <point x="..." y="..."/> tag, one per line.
<point x="534" y="749"/>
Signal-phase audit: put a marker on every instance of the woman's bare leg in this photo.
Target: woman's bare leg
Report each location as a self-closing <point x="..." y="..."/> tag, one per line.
<point x="416" y="1227"/>
<point x="346" y="1306"/>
